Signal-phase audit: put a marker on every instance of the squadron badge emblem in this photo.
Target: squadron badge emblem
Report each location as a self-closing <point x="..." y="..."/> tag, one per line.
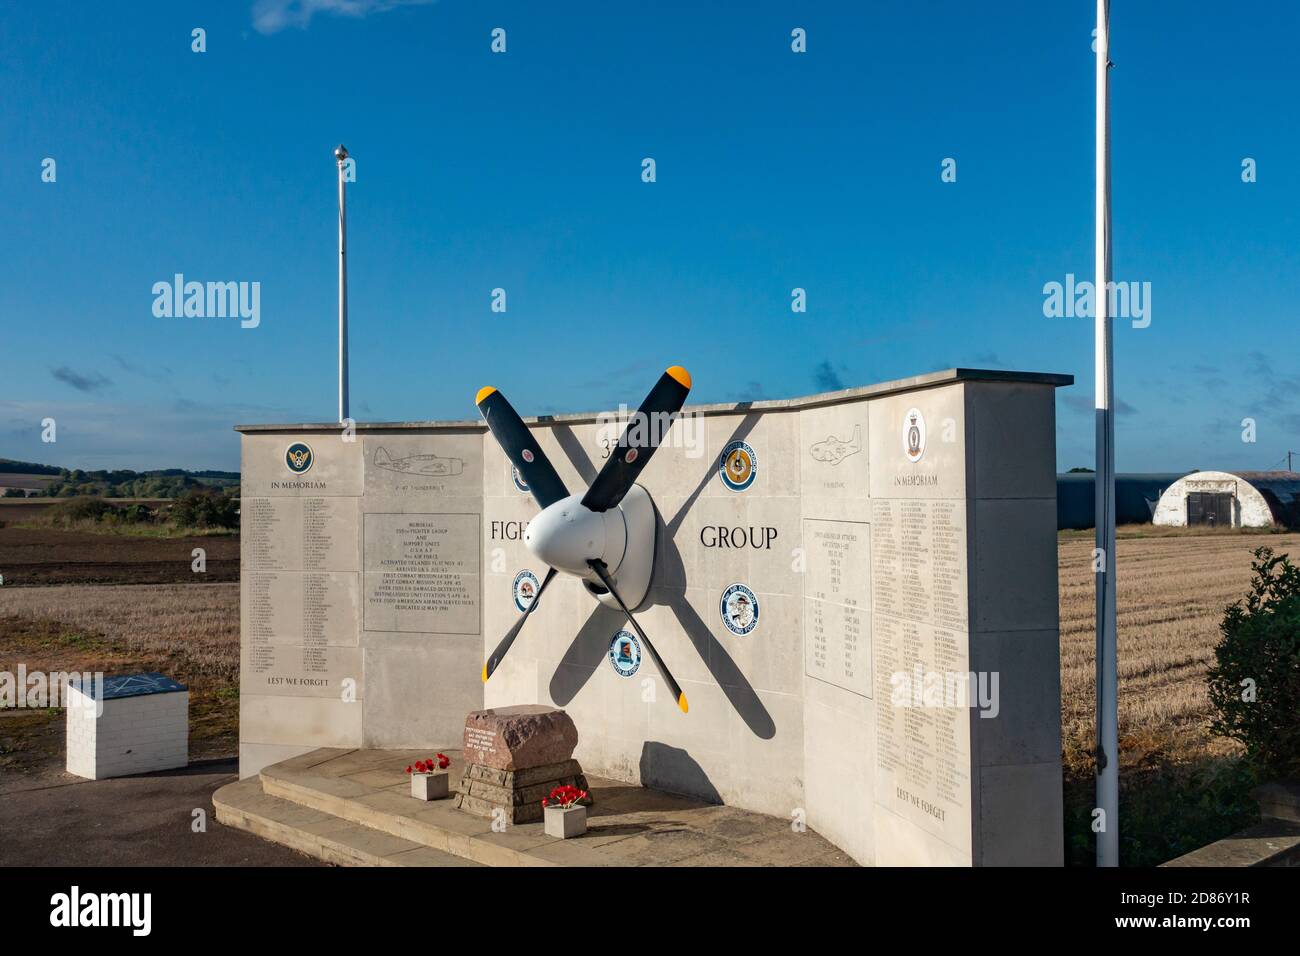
<point x="625" y="653"/>
<point x="739" y="609"/>
<point x="738" y="466"/>
<point x="525" y="589"/>
<point x="914" y="435"/>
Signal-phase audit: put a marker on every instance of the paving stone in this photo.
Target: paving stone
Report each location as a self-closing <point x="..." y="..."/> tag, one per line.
<point x="423" y="856"/>
<point x="383" y="779"/>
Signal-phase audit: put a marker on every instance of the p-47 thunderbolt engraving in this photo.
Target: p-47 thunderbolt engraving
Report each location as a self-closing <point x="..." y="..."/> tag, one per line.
<point x="835" y="450"/>
<point x="418" y="464"/>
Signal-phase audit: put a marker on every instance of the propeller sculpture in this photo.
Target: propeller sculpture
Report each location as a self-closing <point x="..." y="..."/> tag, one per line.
<point x="605" y="537"/>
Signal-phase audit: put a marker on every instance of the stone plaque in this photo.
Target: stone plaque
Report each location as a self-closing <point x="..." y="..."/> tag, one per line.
<point x="287" y="671"/>
<point x="423" y="466"/>
<point x="300" y="465"/>
<point x="837" y="604"/>
<point x="270" y="532"/>
<point x="918" y="560"/>
<point x="923" y="747"/>
<point x="300" y="632"/>
<point x="290" y="607"/>
<point x="299" y="607"/>
<point x="299" y="534"/>
<point x="833" y="452"/>
<point x="519" y="737"/>
<point x="422" y="573"/>
<point x="918" y="445"/>
<point x="921" y="660"/>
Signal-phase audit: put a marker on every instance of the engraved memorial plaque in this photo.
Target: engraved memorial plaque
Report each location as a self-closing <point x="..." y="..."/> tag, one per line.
<point x="422" y="573"/>
<point x="837" y="604"/>
<point x="921" y="664"/>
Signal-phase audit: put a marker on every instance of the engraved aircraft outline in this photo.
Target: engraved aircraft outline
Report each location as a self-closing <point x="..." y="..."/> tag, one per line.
<point x="835" y="450"/>
<point x="433" y="465"/>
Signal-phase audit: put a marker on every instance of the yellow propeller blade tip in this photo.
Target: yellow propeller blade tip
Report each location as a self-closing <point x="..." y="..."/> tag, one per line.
<point x="485" y="673"/>
<point x="483" y="393"/>
<point x="680" y="375"/>
<point x="681" y="702"/>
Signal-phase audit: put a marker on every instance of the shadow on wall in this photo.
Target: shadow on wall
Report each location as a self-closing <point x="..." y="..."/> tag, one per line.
<point x="573" y="450"/>
<point x="674" y="770"/>
<point x="669" y="588"/>
<point x="590" y="646"/>
<point x="584" y="654"/>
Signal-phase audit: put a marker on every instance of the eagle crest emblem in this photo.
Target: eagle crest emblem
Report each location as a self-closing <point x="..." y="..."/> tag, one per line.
<point x="298" y="457"/>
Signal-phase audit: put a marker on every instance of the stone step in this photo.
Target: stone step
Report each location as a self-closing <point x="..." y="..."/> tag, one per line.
<point x="628" y="825"/>
<point x="438" y="825"/>
<point x="246" y="806"/>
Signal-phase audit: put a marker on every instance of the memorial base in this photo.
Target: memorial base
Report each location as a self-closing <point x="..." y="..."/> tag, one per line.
<point x="519" y="793"/>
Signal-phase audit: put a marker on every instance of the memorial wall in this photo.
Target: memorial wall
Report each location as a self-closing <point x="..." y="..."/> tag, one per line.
<point x="856" y="591"/>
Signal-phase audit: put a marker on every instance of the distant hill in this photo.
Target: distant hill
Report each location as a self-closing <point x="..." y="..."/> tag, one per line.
<point x="120" y="483"/>
<point x="10" y="467"/>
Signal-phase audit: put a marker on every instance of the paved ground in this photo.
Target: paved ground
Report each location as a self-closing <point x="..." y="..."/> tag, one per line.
<point x="55" y="819"/>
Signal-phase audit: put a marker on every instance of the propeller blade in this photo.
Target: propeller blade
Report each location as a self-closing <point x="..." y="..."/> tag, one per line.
<point x="520" y="447"/>
<point x="603" y="573"/>
<point x="493" y="662"/>
<point x="626" y="461"/>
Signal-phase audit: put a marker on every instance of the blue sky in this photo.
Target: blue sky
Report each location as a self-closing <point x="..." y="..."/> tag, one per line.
<point x="522" y="171"/>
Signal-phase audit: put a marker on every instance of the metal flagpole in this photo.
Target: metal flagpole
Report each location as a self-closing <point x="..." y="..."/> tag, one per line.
<point x="1104" y="560"/>
<point x="341" y="154"/>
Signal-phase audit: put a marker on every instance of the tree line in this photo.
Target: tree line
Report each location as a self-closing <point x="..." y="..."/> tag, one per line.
<point x="123" y="482"/>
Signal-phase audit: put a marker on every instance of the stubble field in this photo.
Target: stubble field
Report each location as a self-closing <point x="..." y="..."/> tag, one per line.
<point x="81" y="601"/>
<point x="1171" y="594"/>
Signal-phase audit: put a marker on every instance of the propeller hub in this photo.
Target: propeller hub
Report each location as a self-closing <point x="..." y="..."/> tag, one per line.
<point x="567" y="534"/>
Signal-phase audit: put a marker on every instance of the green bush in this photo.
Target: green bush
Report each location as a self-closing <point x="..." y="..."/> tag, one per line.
<point x="205" y="509"/>
<point x="75" y="510"/>
<point x="1255" y="682"/>
<point x="137" y="513"/>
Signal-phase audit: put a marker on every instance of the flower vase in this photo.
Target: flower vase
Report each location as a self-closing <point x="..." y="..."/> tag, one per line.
<point x="429" y="786"/>
<point x="563" y="823"/>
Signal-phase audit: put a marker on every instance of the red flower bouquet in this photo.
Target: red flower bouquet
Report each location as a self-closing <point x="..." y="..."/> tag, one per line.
<point x="429" y="779"/>
<point x="563" y="813"/>
<point x="432" y="765"/>
<point x="564" y="797"/>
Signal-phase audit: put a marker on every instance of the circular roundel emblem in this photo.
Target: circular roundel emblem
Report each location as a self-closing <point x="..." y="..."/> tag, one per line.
<point x="299" y="458"/>
<point x="527" y="455"/>
<point x="525" y="589"/>
<point x="738" y="466"/>
<point x="914" y="434"/>
<point x="625" y="653"/>
<point x="739" y="609"/>
<point x="519" y="481"/>
<point x="631" y="456"/>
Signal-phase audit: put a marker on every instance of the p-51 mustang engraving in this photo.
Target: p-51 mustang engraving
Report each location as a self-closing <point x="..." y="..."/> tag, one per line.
<point x="835" y="450"/>
<point x="418" y="464"/>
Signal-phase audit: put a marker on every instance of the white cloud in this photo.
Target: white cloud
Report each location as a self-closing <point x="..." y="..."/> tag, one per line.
<point x="272" y="16"/>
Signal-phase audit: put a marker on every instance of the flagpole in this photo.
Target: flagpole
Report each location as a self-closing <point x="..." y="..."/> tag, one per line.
<point x="1107" y="659"/>
<point x="341" y="155"/>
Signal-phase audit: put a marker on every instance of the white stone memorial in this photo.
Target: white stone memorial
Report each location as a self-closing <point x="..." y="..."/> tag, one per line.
<point x="856" y="591"/>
